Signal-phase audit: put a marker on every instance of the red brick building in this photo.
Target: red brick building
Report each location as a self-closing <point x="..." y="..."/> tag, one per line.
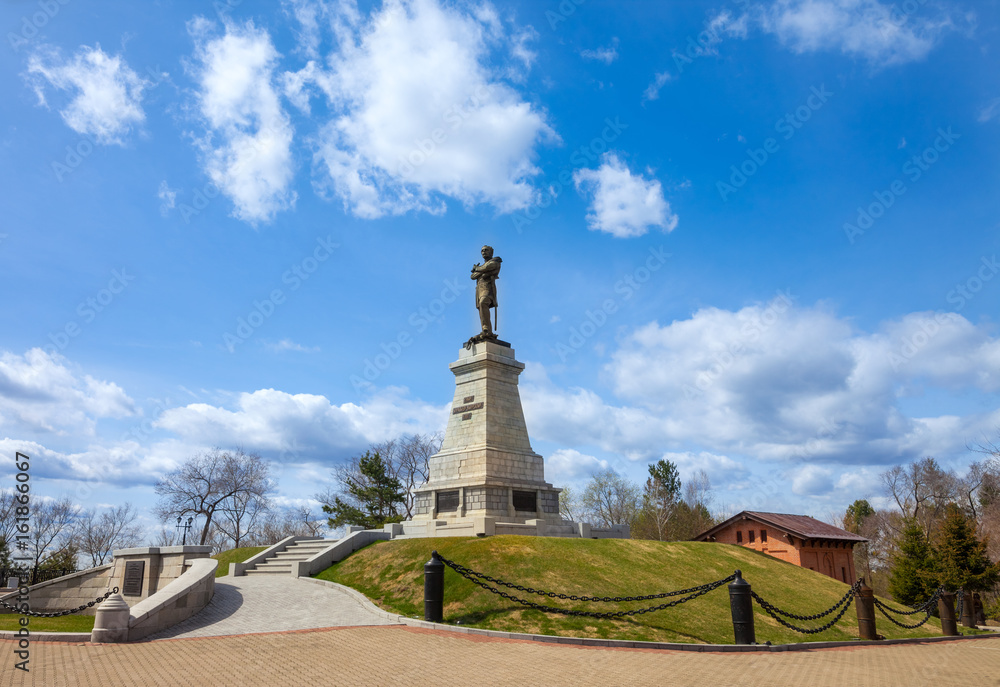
<point x="797" y="539"/>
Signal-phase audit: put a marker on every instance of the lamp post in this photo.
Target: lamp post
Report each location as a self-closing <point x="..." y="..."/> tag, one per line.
<point x="186" y="526"/>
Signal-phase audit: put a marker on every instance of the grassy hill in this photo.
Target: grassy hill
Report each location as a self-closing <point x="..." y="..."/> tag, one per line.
<point x="234" y="556"/>
<point x="391" y="574"/>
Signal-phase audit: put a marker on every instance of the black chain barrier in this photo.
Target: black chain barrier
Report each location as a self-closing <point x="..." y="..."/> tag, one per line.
<point x="776" y="612"/>
<point x="482" y="580"/>
<point x="85" y="606"/>
<point x="925" y="607"/>
<point x="961" y="602"/>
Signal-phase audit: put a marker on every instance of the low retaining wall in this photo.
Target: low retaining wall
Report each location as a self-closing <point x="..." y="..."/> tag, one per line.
<point x="175" y="602"/>
<point x="338" y="552"/>
<point x="68" y="591"/>
<point x="240" y="569"/>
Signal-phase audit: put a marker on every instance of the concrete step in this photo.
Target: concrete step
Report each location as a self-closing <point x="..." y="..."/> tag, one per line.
<point x="257" y="571"/>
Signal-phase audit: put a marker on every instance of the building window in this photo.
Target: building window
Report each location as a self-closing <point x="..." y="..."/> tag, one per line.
<point x="763" y="535"/>
<point x="739" y="537"/>
<point x="751" y="536"/>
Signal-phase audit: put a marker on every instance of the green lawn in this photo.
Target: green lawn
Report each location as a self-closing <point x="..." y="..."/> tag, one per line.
<point x="391" y="574"/>
<point x="234" y="556"/>
<point x="65" y="623"/>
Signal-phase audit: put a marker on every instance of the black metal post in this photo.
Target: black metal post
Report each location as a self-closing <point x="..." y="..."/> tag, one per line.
<point x="968" y="610"/>
<point x="741" y="605"/>
<point x="946" y="609"/>
<point x="434" y="589"/>
<point x="864" y="606"/>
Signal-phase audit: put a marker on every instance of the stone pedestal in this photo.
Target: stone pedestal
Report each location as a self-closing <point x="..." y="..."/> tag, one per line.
<point x="486" y="472"/>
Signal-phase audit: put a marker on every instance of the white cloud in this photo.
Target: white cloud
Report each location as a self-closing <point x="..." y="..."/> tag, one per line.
<point x="40" y="393"/>
<point x="310" y="425"/>
<point x="606" y="55"/>
<point x="289" y="345"/>
<point x="990" y="112"/>
<point x="652" y="91"/>
<point x="568" y="465"/>
<point x="721" y="470"/>
<point x="621" y="203"/>
<point x="168" y="198"/>
<point x="106" y="94"/>
<point x="811" y="480"/>
<point x="465" y="134"/>
<point x="252" y="161"/>
<point x="881" y="33"/>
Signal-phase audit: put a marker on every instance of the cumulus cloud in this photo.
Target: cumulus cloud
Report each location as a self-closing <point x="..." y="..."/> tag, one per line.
<point x="40" y="392"/>
<point x="881" y="33"/>
<point x="811" y="480"/>
<point x="106" y="95"/>
<point x="621" y="203"/>
<point x="568" y="465"/>
<point x="247" y="149"/>
<point x="465" y="135"/>
<point x="307" y="424"/>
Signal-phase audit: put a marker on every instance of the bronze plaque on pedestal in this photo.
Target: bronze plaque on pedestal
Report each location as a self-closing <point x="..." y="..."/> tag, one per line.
<point x="132" y="584"/>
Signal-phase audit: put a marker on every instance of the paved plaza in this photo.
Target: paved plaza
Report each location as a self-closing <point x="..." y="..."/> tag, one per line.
<point x="280" y="630"/>
<point x="401" y="655"/>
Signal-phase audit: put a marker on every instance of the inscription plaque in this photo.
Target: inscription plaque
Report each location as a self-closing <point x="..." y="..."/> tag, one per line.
<point x="468" y="399"/>
<point x="467" y="416"/>
<point x="132" y="584"/>
<point x="466" y="408"/>
<point x="447" y="501"/>
<point x="525" y="500"/>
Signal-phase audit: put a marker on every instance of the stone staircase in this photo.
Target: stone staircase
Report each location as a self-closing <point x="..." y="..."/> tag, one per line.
<point x="281" y="562"/>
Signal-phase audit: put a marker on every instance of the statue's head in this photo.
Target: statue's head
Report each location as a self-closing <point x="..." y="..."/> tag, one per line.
<point x="487" y="252"/>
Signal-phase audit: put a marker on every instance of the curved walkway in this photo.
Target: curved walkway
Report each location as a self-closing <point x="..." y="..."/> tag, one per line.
<point x="244" y="605"/>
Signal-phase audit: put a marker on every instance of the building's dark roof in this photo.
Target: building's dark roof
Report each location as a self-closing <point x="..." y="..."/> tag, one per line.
<point x="801" y="526"/>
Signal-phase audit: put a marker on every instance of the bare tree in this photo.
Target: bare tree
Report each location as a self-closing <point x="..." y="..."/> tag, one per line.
<point x="98" y="535"/>
<point x="210" y="482"/>
<point x="8" y="519"/>
<point x="611" y="499"/>
<point x="288" y="522"/>
<point x="921" y="490"/>
<point x="406" y="459"/>
<point x="240" y="515"/>
<point x="51" y="528"/>
<point x="569" y="504"/>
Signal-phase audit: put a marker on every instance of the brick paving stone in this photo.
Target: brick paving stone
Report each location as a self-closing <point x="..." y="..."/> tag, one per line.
<point x="400" y="655"/>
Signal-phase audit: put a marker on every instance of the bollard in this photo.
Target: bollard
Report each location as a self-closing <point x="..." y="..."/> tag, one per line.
<point x="741" y="605"/>
<point x="946" y="609"/>
<point x="968" y="612"/>
<point x="434" y="589"/>
<point x="864" y="605"/>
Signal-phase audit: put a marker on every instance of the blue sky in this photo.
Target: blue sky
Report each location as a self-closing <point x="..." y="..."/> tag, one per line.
<point x="759" y="239"/>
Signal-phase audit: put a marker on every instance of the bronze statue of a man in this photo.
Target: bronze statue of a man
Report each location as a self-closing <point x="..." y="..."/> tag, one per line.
<point x="486" y="275"/>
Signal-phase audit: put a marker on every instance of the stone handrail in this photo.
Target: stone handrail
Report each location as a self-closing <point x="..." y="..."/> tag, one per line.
<point x="338" y="552"/>
<point x="239" y="569"/>
<point x="177" y="601"/>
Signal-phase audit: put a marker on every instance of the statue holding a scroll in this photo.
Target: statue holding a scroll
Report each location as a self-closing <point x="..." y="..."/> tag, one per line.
<point x="486" y="275"/>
